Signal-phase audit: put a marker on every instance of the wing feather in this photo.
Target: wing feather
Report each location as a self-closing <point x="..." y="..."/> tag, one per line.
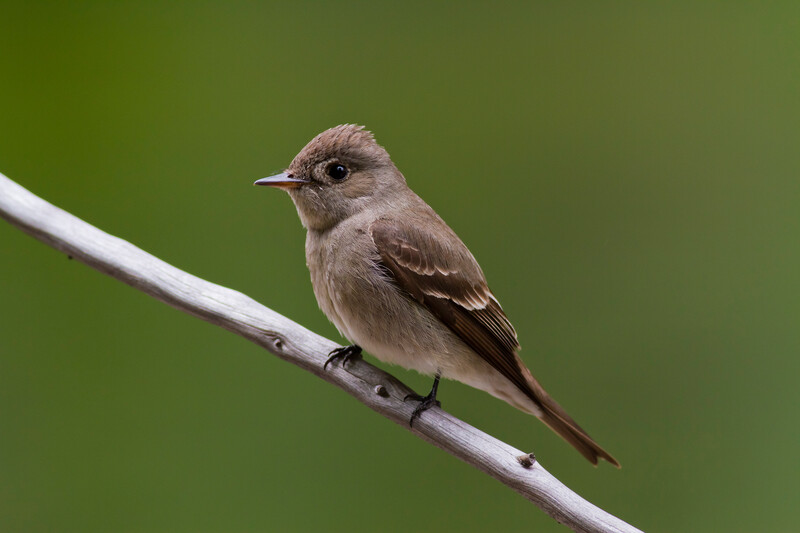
<point x="448" y="281"/>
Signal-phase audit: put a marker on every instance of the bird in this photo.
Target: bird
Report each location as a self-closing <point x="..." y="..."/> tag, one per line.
<point x="398" y="282"/>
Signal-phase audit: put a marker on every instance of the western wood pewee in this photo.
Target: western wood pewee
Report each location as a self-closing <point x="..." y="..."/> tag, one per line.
<point x="397" y="281"/>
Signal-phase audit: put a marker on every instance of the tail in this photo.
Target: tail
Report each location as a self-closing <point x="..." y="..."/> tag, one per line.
<point x="572" y="433"/>
<point x="559" y="421"/>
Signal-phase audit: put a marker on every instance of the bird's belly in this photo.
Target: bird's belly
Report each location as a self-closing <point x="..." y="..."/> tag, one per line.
<point x="444" y="354"/>
<point x="374" y="314"/>
<point x="371" y="311"/>
<point x="398" y="354"/>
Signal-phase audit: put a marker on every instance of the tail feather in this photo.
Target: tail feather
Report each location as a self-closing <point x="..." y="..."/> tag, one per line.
<point x="574" y="435"/>
<point x="559" y="421"/>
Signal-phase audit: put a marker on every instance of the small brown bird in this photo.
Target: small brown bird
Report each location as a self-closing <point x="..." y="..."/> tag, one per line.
<point x="397" y="281"/>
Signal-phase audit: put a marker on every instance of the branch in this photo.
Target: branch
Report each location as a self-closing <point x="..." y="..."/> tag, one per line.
<point x="291" y="342"/>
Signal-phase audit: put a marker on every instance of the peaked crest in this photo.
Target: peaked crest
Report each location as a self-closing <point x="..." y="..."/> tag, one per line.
<point x="347" y="141"/>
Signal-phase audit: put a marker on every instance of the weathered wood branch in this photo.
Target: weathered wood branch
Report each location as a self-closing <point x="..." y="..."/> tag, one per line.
<point x="244" y="316"/>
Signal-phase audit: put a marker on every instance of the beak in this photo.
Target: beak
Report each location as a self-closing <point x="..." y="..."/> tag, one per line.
<point x="284" y="180"/>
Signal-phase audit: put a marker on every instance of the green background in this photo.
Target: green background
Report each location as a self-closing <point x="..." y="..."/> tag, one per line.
<point x="628" y="175"/>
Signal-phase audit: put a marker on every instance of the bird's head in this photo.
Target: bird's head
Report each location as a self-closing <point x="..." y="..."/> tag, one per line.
<point x="338" y="174"/>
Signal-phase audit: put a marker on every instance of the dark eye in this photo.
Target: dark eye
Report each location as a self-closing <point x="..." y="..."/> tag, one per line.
<point x="337" y="171"/>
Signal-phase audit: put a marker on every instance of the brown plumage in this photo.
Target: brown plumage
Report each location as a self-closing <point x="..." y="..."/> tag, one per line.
<point x="396" y="280"/>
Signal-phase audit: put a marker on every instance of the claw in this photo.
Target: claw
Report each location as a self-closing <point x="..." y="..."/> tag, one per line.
<point x="425" y="402"/>
<point x="345" y="353"/>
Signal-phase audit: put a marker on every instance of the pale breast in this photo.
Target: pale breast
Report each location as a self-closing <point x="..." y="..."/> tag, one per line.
<point x="359" y="297"/>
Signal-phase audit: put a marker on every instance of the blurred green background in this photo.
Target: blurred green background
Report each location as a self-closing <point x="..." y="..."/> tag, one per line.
<point x="628" y="175"/>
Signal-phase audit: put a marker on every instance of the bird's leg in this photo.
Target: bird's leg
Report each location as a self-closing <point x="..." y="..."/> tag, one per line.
<point x="345" y="353"/>
<point x="425" y="402"/>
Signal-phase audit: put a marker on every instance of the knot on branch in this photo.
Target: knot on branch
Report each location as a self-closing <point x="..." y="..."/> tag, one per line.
<point x="527" y="460"/>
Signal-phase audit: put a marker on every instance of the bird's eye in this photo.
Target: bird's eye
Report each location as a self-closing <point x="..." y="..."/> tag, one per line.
<point x="337" y="171"/>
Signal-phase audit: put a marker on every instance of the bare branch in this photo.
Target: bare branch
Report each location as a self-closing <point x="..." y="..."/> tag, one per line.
<point x="240" y="314"/>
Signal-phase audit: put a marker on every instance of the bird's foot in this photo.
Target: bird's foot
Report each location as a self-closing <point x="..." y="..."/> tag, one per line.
<point x="425" y="402"/>
<point x="345" y="353"/>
